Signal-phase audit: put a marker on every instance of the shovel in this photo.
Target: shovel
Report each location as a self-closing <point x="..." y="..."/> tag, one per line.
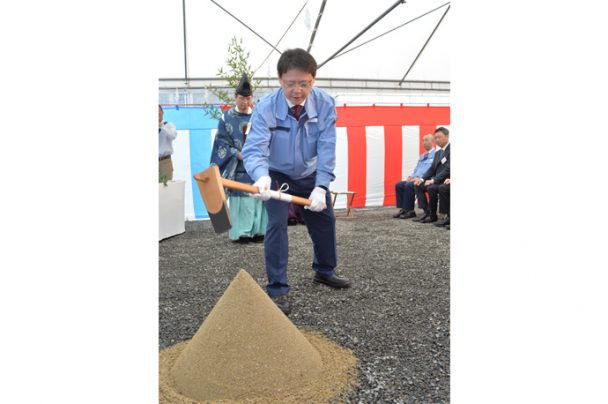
<point x="211" y="186"/>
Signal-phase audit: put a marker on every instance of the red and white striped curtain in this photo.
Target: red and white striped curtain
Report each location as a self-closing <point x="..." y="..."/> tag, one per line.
<point x="378" y="146"/>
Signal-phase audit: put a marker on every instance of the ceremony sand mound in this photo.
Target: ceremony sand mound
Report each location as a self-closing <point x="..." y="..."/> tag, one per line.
<point x="247" y="350"/>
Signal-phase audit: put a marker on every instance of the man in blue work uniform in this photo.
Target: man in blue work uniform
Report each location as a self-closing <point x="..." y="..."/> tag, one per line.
<point x="405" y="191"/>
<point x="293" y="141"/>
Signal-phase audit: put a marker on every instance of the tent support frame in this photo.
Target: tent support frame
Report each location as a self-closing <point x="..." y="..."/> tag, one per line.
<point x="314" y="31"/>
<point x="424" y="46"/>
<point x="391" y="8"/>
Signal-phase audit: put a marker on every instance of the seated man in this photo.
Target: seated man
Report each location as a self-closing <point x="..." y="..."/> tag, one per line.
<point x="405" y="189"/>
<point x="434" y="177"/>
<point x="444" y="204"/>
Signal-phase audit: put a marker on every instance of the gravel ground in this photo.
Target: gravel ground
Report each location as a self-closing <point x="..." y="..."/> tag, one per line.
<point x="395" y="318"/>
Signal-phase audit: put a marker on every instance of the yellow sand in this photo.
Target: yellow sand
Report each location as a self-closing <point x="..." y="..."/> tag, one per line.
<point x="247" y="350"/>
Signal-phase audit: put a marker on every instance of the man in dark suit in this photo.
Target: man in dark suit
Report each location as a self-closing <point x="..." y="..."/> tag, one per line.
<point x="434" y="177"/>
<point x="444" y="204"/>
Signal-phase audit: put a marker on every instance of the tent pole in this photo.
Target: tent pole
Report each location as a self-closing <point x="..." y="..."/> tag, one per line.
<point x="398" y="2"/>
<point x="282" y="36"/>
<point x="424" y="46"/>
<point x="185" y="47"/>
<point x="246" y="26"/>
<point x="314" y="31"/>
<point x="393" y="29"/>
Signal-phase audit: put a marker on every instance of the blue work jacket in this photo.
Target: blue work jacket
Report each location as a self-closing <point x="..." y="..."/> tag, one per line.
<point x="278" y="142"/>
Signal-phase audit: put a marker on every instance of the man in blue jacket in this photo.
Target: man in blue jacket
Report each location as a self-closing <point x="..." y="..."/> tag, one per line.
<point x="404" y="190"/>
<point x="293" y="141"/>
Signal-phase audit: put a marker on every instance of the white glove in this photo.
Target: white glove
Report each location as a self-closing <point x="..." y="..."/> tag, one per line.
<point x="317" y="196"/>
<point x="263" y="184"/>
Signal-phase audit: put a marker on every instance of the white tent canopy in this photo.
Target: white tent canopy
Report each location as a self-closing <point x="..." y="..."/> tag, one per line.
<point x="380" y="145"/>
<point x="209" y="29"/>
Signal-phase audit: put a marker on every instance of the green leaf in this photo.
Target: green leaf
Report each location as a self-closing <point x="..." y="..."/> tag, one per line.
<point x="162" y="178"/>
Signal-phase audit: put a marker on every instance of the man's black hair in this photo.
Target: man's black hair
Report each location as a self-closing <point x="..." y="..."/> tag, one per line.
<point x="443" y="130"/>
<point x="297" y="59"/>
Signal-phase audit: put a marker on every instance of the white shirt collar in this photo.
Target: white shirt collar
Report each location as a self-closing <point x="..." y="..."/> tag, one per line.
<point x="291" y="104"/>
<point x="248" y="110"/>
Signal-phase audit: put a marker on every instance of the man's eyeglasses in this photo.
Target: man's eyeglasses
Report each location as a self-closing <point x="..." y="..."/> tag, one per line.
<point x="301" y="84"/>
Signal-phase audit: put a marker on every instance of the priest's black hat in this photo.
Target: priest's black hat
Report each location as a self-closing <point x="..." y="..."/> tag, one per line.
<point x="244" y="87"/>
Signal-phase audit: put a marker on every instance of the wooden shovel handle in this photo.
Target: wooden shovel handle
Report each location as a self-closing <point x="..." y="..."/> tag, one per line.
<point x="300" y="201"/>
<point x="239" y="186"/>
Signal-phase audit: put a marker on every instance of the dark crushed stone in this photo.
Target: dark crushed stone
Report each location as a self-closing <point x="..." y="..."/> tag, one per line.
<point x="395" y="318"/>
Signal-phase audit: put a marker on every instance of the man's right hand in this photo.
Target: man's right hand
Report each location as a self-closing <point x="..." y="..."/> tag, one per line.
<point x="409" y="179"/>
<point x="263" y="184"/>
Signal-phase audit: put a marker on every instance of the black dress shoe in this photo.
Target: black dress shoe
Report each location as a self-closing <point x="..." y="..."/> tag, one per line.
<point x="335" y="281"/>
<point x="242" y="240"/>
<point x="429" y="219"/>
<point x="447" y="226"/>
<point x="444" y="222"/>
<point x="282" y="302"/>
<point x="292" y="221"/>
<point x="258" y="238"/>
<point x="407" y="215"/>
<point x="420" y="219"/>
<point x="398" y="214"/>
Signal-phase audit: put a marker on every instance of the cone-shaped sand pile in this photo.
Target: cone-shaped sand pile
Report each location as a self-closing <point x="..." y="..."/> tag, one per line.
<point x="246" y="345"/>
<point x="247" y="349"/>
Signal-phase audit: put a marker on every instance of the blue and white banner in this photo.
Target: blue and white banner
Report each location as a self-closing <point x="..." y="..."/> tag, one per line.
<point x="191" y="152"/>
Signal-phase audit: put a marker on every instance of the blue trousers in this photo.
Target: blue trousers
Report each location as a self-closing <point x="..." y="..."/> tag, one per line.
<point x="406" y="195"/>
<point x="321" y="229"/>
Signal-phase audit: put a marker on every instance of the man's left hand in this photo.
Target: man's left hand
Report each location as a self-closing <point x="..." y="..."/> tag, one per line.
<point x="317" y="196"/>
<point x="429" y="182"/>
